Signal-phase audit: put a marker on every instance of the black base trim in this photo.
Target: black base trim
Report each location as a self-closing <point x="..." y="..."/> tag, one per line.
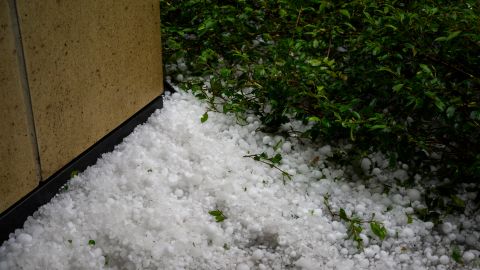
<point x="14" y="217"/>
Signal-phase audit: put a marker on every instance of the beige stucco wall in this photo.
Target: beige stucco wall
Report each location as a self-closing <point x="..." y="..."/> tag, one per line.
<point x="18" y="174"/>
<point x="91" y="64"/>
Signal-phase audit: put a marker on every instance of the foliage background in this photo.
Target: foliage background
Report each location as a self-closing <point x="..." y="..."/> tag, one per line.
<point x="401" y="77"/>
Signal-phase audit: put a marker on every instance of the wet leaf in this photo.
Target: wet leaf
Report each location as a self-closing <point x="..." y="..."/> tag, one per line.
<point x="378" y="229"/>
<point x="343" y="215"/>
<point x="219" y="216"/>
<point x="204" y="118"/>
<point x="276" y="159"/>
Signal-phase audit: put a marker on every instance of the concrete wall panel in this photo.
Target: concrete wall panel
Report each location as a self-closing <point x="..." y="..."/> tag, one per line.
<point x="91" y="64"/>
<point x="18" y="171"/>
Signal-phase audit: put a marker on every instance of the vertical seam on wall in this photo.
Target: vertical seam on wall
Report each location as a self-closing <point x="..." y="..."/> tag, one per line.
<point x="162" y="64"/>
<point x="25" y="85"/>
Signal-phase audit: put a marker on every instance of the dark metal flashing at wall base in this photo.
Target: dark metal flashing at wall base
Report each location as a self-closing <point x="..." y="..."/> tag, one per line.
<point x="14" y="217"/>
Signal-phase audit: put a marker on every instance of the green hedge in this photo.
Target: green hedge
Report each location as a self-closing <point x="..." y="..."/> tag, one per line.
<point x="401" y="77"/>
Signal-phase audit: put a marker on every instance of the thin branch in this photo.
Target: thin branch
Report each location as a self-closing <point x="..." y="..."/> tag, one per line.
<point x="284" y="173"/>
<point x="329" y="45"/>
<point x="450" y="66"/>
<point x="298" y="17"/>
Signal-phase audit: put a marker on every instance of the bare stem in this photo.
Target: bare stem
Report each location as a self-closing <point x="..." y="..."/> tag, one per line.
<point x="284" y="173"/>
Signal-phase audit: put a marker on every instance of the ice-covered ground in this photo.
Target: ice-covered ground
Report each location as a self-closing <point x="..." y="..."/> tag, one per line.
<point x="146" y="206"/>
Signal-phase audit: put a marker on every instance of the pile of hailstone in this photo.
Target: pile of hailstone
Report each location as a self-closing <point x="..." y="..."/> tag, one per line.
<point x="149" y="204"/>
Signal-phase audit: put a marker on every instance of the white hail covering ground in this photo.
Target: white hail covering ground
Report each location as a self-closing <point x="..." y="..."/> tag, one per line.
<point x="145" y="206"/>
